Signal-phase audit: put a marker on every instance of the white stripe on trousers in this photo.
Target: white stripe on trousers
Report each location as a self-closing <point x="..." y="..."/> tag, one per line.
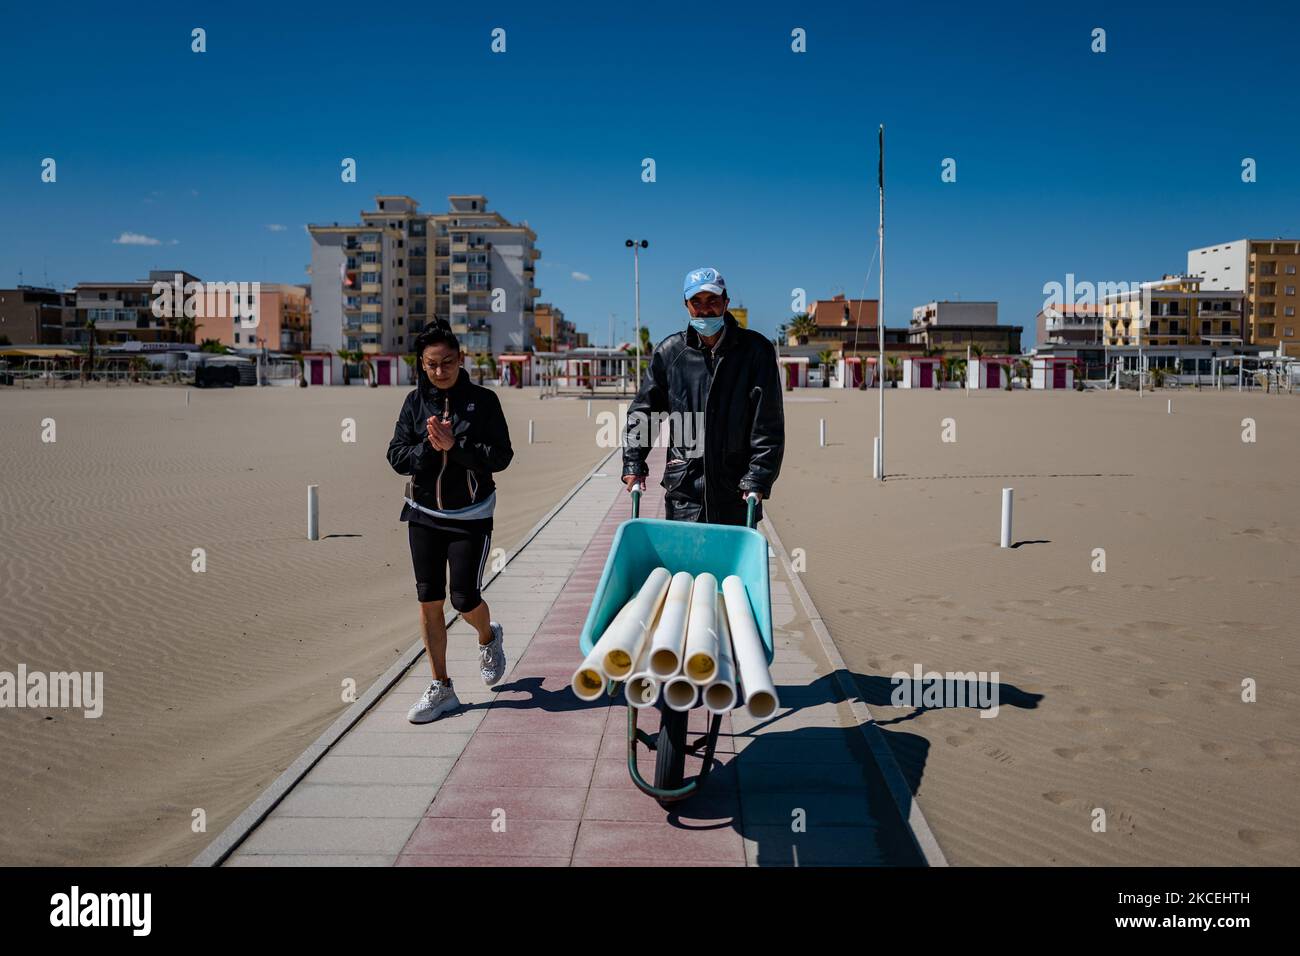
<point x="487" y="541"/>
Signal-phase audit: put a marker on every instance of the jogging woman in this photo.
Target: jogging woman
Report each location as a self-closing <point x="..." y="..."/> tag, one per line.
<point x="450" y="437"/>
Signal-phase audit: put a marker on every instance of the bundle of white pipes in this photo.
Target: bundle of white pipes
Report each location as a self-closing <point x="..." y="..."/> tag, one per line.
<point x="621" y="646"/>
<point x="681" y="636"/>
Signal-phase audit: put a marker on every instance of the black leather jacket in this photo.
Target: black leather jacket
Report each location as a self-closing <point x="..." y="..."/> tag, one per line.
<point x="462" y="475"/>
<point x="743" y="423"/>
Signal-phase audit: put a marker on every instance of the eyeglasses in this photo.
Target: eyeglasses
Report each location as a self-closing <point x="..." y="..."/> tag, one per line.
<point x="446" y="364"/>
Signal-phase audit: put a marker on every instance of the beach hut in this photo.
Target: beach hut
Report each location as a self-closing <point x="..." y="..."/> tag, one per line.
<point x="322" y="368"/>
<point x="850" y="371"/>
<point x="794" y="371"/>
<point x="989" y="371"/>
<point x="388" y="368"/>
<point x="515" y="370"/>
<point x="920" y="371"/>
<point x="1053" y="372"/>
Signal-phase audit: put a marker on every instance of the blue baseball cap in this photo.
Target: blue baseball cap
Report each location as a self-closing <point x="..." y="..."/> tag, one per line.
<point x="704" y="280"/>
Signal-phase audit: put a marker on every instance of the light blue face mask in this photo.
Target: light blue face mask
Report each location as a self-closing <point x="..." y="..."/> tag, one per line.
<point x="708" y="325"/>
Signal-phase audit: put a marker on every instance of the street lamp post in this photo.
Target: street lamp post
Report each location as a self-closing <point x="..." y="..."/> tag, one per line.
<point x="636" y="246"/>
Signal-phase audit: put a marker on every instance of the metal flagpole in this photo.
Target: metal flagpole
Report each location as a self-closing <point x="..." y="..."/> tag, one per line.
<point x="880" y="316"/>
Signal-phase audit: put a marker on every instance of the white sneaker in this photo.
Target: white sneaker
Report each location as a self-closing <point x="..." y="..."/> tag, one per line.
<point x="492" y="656"/>
<point x="436" y="701"/>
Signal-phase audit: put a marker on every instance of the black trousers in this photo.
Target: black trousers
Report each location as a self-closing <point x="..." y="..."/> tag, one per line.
<point x="465" y="550"/>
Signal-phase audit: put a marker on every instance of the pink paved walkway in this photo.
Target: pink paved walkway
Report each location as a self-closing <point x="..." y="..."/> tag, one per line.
<point x="555" y="769"/>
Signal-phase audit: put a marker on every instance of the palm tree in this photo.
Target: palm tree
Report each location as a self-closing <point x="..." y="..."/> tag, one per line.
<point x="892" y="372"/>
<point x="346" y="358"/>
<point x="480" y="365"/>
<point x="825" y="357"/>
<point x="410" y="365"/>
<point x="212" y="345"/>
<point x="1025" y="369"/>
<point x="802" y="326"/>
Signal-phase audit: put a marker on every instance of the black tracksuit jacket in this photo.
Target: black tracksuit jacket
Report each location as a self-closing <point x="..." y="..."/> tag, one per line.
<point x="462" y="475"/>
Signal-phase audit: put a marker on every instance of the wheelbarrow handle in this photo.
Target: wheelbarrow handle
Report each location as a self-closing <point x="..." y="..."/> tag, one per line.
<point x="636" y="489"/>
<point x="751" y="499"/>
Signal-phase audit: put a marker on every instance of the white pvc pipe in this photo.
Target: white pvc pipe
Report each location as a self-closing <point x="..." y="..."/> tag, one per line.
<point x="1006" y="518"/>
<point x="588" y="408"/>
<point x="313" y="513"/>
<point x="1169" y="409"/>
<point x="751" y="658"/>
<point x="670" y="635"/>
<point x="875" y="457"/>
<point x="700" y="662"/>
<point x="720" y="695"/>
<point x="822" y="432"/>
<point x="624" y="646"/>
<point x="680" y="693"/>
<point x="588" y="680"/>
<point x="642" y="688"/>
<point x="530" y="431"/>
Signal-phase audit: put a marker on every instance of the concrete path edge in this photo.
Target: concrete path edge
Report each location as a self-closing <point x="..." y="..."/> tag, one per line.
<point x="216" y="852"/>
<point x="908" y="807"/>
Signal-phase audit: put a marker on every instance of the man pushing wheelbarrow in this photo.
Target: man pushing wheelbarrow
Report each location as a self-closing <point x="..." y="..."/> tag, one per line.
<point x="720" y="387"/>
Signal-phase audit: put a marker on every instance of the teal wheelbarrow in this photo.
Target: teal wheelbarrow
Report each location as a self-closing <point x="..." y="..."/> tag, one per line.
<point x="640" y="545"/>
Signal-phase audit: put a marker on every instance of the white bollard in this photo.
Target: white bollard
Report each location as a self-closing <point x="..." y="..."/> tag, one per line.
<point x="875" y="457"/>
<point x="1006" y="518"/>
<point x="313" y="513"/>
<point x="1169" y="409"/>
<point x="822" y="432"/>
<point x="588" y="408"/>
<point x="530" y="431"/>
<point x="187" y="396"/>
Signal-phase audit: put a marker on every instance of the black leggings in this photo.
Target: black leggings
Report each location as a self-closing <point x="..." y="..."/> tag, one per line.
<point x="433" y="549"/>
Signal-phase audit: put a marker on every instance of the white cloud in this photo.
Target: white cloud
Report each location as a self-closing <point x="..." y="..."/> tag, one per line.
<point x="580" y="276"/>
<point x="275" y="227"/>
<point x="135" y="239"/>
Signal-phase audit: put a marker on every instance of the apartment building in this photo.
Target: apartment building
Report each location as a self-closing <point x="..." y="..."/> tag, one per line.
<point x="953" y="326"/>
<point x="283" y="318"/>
<point x="376" y="284"/>
<point x="31" y="315"/>
<point x="1178" y="310"/>
<point x="1067" y="323"/>
<point x="552" y="332"/>
<point x="1265" y="272"/>
<point x="123" y="311"/>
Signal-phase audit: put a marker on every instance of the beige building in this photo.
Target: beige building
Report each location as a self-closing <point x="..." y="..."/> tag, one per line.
<point x="1177" y="310"/>
<point x="1265" y="271"/>
<point x="283" y="319"/>
<point x="377" y="284"/>
<point x="552" y="331"/>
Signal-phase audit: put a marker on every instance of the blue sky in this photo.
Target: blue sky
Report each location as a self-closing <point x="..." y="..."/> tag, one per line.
<point x="1109" y="166"/>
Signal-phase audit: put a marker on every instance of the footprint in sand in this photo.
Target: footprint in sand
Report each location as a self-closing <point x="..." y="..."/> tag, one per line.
<point x="1221" y="685"/>
<point x="1059" y="797"/>
<point x="1123" y="752"/>
<point x="1137" y="587"/>
<point x="1075" y="589"/>
<point x="1149" y="718"/>
<point x="1094" y="712"/>
<point x="978" y="638"/>
<point x="1164" y="690"/>
<point x="1216" y="749"/>
<point x="1262" y="839"/>
<point x="1278" y="750"/>
<point x="1069" y="753"/>
<point x="998" y="754"/>
<point x="955" y="741"/>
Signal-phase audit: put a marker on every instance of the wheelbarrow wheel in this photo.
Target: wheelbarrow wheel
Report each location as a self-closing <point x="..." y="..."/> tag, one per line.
<point x="670" y="749"/>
